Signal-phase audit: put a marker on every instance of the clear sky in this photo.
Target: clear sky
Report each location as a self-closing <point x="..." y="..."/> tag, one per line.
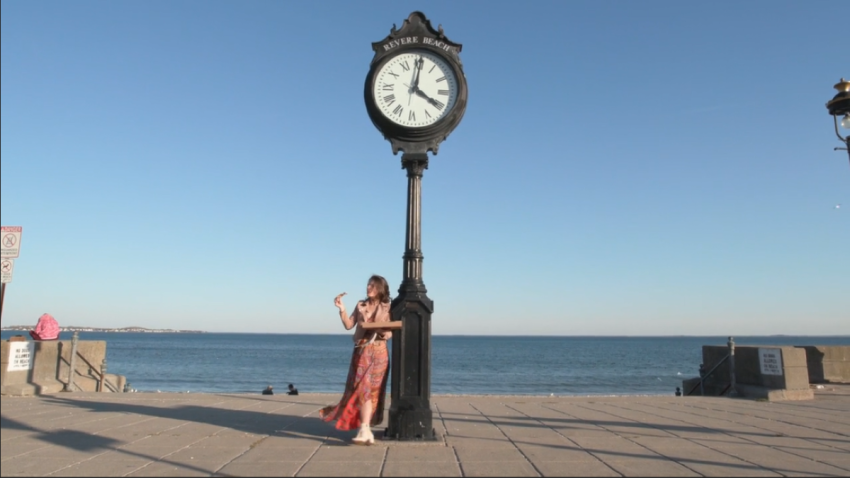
<point x="623" y="168"/>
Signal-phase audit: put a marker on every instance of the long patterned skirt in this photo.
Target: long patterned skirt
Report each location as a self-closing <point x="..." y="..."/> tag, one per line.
<point x="367" y="380"/>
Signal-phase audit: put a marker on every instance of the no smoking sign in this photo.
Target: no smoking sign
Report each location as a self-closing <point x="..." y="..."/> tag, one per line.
<point x="6" y="268"/>
<point x="10" y="241"/>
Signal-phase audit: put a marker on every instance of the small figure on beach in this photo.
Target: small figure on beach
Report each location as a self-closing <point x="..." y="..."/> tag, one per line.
<point x="46" y="329"/>
<point x="268" y="390"/>
<point x="678" y="392"/>
<point x="292" y="390"/>
<point x="362" y="403"/>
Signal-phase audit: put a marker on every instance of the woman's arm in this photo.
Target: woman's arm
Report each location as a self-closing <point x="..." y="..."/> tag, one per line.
<point x="347" y="322"/>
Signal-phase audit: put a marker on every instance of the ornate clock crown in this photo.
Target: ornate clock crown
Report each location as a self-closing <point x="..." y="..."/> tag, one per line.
<point x="416" y="24"/>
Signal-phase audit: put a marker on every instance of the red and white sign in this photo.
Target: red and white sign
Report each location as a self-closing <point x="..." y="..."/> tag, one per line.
<point x="10" y="240"/>
<point x="6" y="268"/>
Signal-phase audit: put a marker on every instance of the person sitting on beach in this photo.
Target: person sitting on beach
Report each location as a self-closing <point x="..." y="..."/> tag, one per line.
<point x="292" y="390"/>
<point x="46" y="329"/>
<point x="268" y="391"/>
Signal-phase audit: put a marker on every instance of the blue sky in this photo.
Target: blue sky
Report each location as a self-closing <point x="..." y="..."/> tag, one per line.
<point x="623" y="168"/>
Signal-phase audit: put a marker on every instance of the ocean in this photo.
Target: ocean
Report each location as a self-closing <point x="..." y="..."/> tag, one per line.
<point x="473" y="365"/>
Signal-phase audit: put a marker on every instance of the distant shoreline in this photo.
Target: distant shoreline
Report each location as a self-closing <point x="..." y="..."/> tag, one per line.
<point x="27" y="328"/>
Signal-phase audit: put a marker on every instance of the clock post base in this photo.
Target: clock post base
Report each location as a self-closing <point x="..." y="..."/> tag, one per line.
<point x="410" y="415"/>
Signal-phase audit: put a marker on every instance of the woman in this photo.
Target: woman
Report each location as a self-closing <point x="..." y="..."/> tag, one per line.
<point x="362" y="402"/>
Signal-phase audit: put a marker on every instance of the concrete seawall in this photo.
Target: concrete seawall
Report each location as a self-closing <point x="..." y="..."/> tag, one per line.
<point x="773" y="372"/>
<point x="47" y="367"/>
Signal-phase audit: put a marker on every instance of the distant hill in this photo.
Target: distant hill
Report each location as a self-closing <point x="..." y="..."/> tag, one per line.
<point x="74" y="328"/>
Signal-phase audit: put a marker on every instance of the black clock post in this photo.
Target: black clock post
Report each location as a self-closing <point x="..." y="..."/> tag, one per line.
<point x="410" y="415"/>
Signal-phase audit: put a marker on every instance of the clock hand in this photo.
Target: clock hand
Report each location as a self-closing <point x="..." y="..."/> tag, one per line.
<point x="417" y="66"/>
<point x="422" y="94"/>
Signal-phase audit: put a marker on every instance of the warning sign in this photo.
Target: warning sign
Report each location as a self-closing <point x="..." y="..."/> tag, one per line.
<point x="20" y="356"/>
<point x="10" y="240"/>
<point x="771" y="361"/>
<point x="6" y="268"/>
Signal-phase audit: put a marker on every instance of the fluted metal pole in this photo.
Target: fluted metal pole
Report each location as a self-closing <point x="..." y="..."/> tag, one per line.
<point x="410" y="416"/>
<point x="412" y="279"/>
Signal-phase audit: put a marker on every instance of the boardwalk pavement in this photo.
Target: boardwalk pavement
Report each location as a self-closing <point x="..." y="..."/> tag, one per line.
<point x="174" y="434"/>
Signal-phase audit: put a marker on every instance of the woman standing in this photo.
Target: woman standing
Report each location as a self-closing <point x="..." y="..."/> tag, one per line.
<point x="362" y="403"/>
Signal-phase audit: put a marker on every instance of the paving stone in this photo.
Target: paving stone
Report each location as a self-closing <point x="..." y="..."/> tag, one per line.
<point x="39" y="466"/>
<point x="278" y="453"/>
<point x="664" y="443"/>
<point x="168" y="469"/>
<point x="497" y="468"/>
<point x="835" y="443"/>
<point x="472" y="442"/>
<point x="61" y="452"/>
<point x="204" y="457"/>
<point x="537" y="453"/>
<point x="424" y="454"/>
<point x="151" y="452"/>
<point x="489" y="454"/>
<point x="574" y="468"/>
<point x="104" y="467"/>
<point x="159" y="441"/>
<point x="229" y="441"/>
<point x="421" y="468"/>
<point x="729" y="468"/>
<point x="544" y="440"/>
<point x="341" y="468"/>
<point x="20" y="446"/>
<point x="584" y="432"/>
<point x="265" y="468"/>
<point x="528" y="432"/>
<point x="350" y="453"/>
<point x="650" y="467"/>
<point x="614" y="448"/>
<point x="825" y="455"/>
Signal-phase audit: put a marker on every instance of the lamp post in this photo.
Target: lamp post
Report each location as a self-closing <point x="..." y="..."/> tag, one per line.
<point x="419" y="63"/>
<point x="839" y="105"/>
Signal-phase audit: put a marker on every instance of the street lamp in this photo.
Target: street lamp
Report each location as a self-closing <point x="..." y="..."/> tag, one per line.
<point x="839" y="105"/>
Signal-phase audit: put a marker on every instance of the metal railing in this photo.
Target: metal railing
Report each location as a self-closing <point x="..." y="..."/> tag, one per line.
<point x="703" y="375"/>
<point x="100" y="374"/>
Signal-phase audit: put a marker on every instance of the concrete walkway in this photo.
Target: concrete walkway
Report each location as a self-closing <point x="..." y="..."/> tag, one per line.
<point x="173" y="434"/>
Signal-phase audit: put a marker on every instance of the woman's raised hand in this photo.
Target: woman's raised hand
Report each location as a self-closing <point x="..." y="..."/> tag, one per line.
<point x="338" y="301"/>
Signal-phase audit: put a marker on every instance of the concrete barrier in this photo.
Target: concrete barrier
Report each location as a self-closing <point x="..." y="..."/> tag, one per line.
<point x="30" y="367"/>
<point x="772" y="372"/>
<point x="828" y="363"/>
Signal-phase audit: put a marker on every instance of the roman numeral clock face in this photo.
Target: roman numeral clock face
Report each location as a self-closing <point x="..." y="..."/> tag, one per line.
<point x="415" y="89"/>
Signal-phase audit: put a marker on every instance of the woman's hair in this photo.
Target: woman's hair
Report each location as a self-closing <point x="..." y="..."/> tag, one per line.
<point x="383" y="289"/>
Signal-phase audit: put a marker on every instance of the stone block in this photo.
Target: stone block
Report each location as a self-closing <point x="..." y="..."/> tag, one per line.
<point x="748" y="366"/>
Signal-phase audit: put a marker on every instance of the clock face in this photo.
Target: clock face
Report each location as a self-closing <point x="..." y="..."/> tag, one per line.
<point x="415" y="88"/>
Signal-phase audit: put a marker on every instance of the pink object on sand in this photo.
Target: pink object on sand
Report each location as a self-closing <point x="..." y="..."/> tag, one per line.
<point x="46" y="329"/>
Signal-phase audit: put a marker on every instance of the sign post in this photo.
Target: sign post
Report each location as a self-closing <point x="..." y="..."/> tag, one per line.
<point x="6" y="268"/>
<point x="2" y="297"/>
